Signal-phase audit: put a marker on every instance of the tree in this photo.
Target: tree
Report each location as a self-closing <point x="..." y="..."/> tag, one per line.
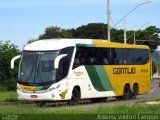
<point x="31" y="40"/>
<point x="117" y="35"/>
<point x="91" y="31"/>
<point x="7" y="76"/>
<point x="55" y="32"/>
<point x="150" y="34"/>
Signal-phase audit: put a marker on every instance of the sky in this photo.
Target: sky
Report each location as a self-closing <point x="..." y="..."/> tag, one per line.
<point x="21" y="20"/>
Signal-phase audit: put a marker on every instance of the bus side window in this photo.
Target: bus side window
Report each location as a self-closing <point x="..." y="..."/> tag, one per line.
<point x="76" y="62"/>
<point x="63" y="68"/>
<point x="146" y="56"/>
<point x="85" y="57"/>
<point x="105" y="61"/>
<point x="113" y="57"/>
<point x="64" y="63"/>
<point x="146" y="60"/>
<point x="78" y="59"/>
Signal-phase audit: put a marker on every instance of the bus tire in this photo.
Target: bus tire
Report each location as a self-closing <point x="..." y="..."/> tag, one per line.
<point x="126" y="93"/>
<point x="76" y="95"/>
<point x="135" y="91"/>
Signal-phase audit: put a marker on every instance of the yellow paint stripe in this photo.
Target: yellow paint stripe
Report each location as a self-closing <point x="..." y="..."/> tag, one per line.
<point x="23" y="87"/>
<point x="102" y="43"/>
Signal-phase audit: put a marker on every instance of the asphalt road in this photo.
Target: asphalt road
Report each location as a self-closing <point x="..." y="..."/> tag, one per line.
<point x="154" y="93"/>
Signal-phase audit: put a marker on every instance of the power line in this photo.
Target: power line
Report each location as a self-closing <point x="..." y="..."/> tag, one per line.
<point x="113" y="22"/>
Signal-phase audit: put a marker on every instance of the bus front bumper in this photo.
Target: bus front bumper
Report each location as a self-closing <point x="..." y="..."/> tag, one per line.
<point x="45" y="96"/>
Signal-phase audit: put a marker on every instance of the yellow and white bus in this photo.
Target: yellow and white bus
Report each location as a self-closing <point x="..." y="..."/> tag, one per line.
<point x="74" y="69"/>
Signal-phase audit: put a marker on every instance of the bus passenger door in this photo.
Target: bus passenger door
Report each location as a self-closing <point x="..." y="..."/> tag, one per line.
<point x="87" y="88"/>
<point x="79" y="78"/>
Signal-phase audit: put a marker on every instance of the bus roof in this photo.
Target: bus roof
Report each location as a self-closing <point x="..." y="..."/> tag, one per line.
<point x="102" y="43"/>
<point x="54" y="44"/>
<point x="57" y="44"/>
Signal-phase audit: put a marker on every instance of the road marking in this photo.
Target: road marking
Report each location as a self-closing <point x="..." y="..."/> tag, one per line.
<point x="153" y="103"/>
<point x="153" y="90"/>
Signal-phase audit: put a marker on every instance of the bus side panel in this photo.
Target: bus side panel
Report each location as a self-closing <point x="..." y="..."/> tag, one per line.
<point x="122" y="74"/>
<point x="101" y="85"/>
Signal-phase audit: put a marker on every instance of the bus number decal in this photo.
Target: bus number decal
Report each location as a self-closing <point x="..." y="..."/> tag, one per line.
<point x="144" y="70"/>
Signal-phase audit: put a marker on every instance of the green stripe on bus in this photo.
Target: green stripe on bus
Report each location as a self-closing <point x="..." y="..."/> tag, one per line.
<point x="85" y="45"/>
<point x="104" y="77"/>
<point x="94" y="77"/>
<point x="99" y="78"/>
<point x="42" y="87"/>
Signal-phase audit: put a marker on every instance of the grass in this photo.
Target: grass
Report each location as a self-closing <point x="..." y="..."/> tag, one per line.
<point x="7" y="96"/>
<point x="31" y="111"/>
<point x="120" y="109"/>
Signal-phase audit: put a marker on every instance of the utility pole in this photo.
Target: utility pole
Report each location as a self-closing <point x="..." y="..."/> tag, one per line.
<point x="108" y="20"/>
<point x="134" y="38"/>
<point x="125" y="34"/>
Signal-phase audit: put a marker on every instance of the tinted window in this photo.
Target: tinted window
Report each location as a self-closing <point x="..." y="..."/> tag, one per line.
<point x="124" y="56"/>
<point x="64" y="63"/>
<point x="110" y="56"/>
<point x="141" y="56"/>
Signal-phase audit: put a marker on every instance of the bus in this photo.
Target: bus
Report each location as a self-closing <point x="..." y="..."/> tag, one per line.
<point x="76" y="69"/>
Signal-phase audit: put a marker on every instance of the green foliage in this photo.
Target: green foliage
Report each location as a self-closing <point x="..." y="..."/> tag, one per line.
<point x="7" y="76"/>
<point x="91" y="31"/>
<point x="7" y="95"/>
<point x="149" y="34"/>
<point x="31" y="40"/>
<point x="117" y="35"/>
<point x="55" y="32"/>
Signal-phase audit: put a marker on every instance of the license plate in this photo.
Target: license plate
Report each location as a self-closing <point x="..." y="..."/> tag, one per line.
<point x="34" y="96"/>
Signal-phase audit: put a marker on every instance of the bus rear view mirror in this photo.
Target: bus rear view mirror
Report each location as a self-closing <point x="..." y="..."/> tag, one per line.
<point x="56" y="62"/>
<point x="13" y="61"/>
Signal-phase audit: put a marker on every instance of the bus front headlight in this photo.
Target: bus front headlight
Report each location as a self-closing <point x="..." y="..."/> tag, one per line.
<point x="53" y="88"/>
<point x="18" y="88"/>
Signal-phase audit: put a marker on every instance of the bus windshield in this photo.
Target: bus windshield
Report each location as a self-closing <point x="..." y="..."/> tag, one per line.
<point x="37" y="68"/>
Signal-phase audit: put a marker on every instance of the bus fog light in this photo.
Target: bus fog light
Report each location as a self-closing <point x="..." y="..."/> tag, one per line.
<point x="53" y="95"/>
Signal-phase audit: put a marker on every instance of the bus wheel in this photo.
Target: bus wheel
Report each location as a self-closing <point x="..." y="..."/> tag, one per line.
<point x="75" y="96"/>
<point x="126" y="92"/>
<point x="40" y="103"/>
<point x="135" y="91"/>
